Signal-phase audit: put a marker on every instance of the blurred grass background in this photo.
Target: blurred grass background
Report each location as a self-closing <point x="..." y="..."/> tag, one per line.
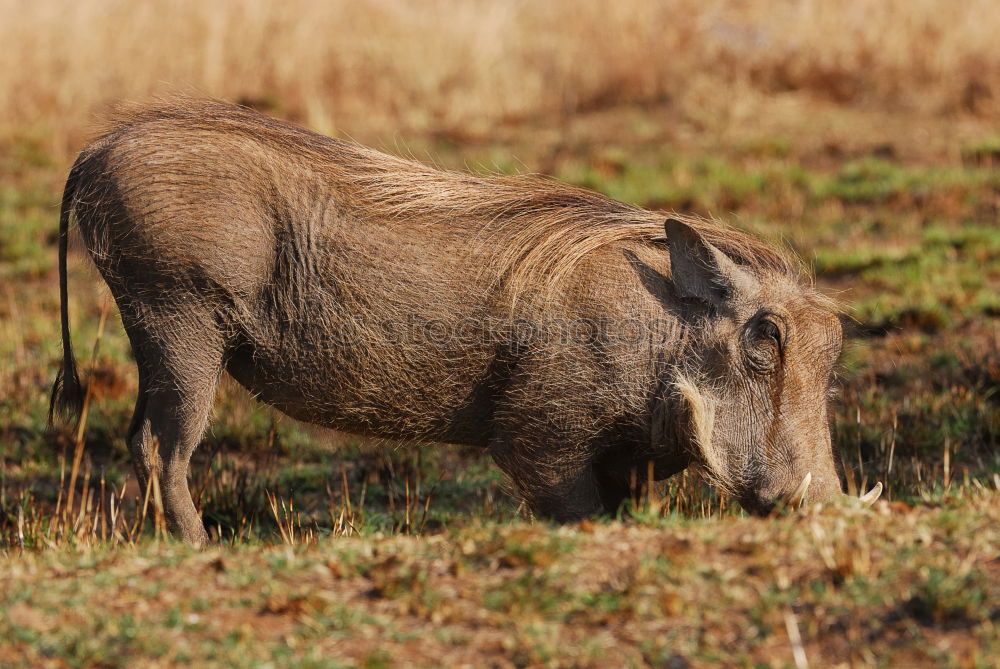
<point x="439" y="65"/>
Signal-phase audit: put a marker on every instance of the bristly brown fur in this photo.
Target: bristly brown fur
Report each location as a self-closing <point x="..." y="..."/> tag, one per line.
<point x="546" y="226"/>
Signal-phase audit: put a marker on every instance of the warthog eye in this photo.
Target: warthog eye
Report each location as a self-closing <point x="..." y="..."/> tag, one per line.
<point x="764" y="342"/>
<point x="769" y="330"/>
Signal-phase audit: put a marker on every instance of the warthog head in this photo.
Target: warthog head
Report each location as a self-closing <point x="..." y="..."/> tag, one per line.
<point x="756" y="393"/>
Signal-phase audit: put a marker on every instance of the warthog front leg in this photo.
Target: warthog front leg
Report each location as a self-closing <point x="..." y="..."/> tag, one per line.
<point x="555" y="485"/>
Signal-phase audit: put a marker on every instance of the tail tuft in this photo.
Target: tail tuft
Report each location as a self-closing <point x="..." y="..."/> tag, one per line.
<point x="67" y="394"/>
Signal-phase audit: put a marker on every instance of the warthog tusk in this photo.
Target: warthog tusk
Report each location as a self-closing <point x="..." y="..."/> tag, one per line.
<point x="796" y="498"/>
<point x="869" y="497"/>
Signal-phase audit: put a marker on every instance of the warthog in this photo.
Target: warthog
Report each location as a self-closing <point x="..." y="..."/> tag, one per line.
<point x="574" y="337"/>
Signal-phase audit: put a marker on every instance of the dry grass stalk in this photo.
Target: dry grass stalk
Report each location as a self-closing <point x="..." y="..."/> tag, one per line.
<point x="82" y="424"/>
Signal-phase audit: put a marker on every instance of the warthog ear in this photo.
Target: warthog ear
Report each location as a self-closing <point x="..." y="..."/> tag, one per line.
<point x="699" y="269"/>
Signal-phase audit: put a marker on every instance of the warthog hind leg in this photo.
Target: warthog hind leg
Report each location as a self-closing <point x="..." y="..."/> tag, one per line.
<point x="177" y="382"/>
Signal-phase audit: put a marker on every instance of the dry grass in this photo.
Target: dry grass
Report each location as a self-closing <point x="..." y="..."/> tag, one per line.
<point x="393" y="66"/>
<point x="906" y="587"/>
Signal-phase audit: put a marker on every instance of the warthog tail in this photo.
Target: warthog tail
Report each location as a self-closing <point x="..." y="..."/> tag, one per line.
<point x="67" y="392"/>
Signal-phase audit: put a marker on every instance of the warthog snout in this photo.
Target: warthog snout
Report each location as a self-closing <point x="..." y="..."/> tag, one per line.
<point x="800" y="497"/>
